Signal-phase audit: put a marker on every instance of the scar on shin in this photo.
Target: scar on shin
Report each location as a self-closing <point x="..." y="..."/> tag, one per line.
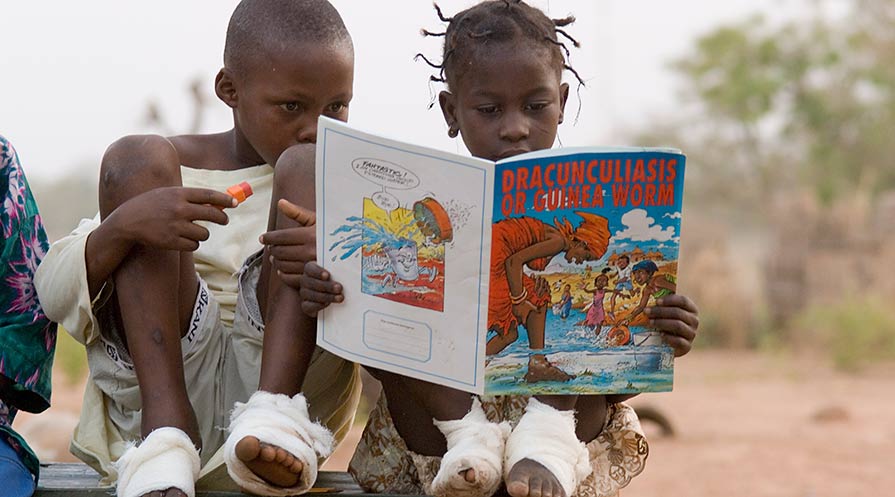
<point x="157" y="336"/>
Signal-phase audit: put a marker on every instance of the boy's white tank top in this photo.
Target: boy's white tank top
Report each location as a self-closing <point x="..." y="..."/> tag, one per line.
<point x="219" y="259"/>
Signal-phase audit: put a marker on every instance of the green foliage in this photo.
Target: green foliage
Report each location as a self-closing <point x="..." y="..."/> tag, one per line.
<point x="855" y="332"/>
<point x="811" y="102"/>
<point x="71" y="357"/>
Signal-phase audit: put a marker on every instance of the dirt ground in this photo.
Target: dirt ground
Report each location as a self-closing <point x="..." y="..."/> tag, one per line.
<point x="746" y="425"/>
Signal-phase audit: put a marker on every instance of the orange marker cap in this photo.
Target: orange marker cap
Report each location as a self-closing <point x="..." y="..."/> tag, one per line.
<point x="240" y="192"/>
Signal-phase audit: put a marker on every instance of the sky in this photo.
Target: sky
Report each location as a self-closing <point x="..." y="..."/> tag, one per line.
<point x="79" y="75"/>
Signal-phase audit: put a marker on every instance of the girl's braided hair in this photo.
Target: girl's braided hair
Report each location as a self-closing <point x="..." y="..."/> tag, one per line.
<point x="498" y="21"/>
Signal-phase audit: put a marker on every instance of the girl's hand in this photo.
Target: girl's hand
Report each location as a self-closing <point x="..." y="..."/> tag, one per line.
<point x="317" y="290"/>
<point x="291" y="248"/>
<point x="678" y="318"/>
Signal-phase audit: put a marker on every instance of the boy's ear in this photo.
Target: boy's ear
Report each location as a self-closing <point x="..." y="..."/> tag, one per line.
<point x="449" y="109"/>
<point x="563" y="97"/>
<point x="225" y="87"/>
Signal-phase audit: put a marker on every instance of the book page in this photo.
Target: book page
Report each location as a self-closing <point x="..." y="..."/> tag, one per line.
<point x="590" y="239"/>
<point x="406" y="230"/>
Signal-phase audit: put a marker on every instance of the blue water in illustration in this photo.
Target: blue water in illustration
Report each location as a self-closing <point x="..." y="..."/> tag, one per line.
<point x="578" y="350"/>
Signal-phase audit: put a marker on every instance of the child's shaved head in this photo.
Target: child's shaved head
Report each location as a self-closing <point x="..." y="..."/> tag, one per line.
<point x="258" y="26"/>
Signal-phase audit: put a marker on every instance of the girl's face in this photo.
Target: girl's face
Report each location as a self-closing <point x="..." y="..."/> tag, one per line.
<point x="601" y="281"/>
<point x="509" y="100"/>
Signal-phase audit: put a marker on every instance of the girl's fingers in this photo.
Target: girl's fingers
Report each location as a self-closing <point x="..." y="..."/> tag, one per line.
<point x="679" y="345"/>
<point x="666" y="312"/>
<point x="680" y="301"/>
<point x="311" y="308"/>
<point x="675" y="327"/>
<point x="293" y="280"/>
<point x="319" y="297"/>
<point x="315" y="271"/>
<point x="318" y="285"/>
<point x="300" y="253"/>
<point x="292" y="267"/>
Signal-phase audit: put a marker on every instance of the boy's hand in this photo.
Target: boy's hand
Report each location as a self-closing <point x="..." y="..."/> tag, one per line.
<point x="678" y="318"/>
<point x="317" y="289"/>
<point x="164" y="218"/>
<point x="291" y="248"/>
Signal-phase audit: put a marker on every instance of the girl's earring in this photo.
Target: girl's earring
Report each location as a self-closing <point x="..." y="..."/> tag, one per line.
<point x="453" y="132"/>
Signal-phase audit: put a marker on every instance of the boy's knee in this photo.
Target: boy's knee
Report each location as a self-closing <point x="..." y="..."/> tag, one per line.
<point x="138" y="163"/>
<point x="295" y="167"/>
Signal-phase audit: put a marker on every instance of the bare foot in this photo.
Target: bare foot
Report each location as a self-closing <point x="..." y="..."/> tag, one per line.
<point x="271" y="463"/>
<point x="540" y="369"/>
<point x="528" y="478"/>
<point x="171" y="492"/>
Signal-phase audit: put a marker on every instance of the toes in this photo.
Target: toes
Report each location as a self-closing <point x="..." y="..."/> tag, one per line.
<point x="297" y="466"/>
<point x="247" y="449"/>
<point x="469" y="475"/>
<point x="281" y="455"/>
<point x="268" y="453"/>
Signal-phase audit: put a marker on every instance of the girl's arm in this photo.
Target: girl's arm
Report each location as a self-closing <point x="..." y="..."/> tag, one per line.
<point x="644" y="300"/>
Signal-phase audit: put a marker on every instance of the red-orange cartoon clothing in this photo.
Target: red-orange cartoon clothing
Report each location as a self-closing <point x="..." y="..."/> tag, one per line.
<point x="508" y="237"/>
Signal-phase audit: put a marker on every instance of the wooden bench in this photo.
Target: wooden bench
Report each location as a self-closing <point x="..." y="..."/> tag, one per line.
<point x="78" y="480"/>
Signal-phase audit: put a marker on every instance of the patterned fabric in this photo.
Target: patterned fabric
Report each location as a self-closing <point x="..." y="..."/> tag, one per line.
<point x="27" y="337"/>
<point x="382" y="463"/>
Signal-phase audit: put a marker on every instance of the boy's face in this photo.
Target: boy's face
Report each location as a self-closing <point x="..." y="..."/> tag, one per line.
<point x="508" y="101"/>
<point x="623" y="262"/>
<point x="279" y="97"/>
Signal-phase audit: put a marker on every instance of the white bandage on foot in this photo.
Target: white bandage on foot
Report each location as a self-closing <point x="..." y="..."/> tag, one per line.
<point x="547" y="436"/>
<point x="165" y="459"/>
<point x="472" y="443"/>
<point x="282" y="421"/>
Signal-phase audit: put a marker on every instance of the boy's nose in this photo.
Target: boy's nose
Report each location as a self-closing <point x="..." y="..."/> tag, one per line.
<point x="514" y="127"/>
<point x="308" y="134"/>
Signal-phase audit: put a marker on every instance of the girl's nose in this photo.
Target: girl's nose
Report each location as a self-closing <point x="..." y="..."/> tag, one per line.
<point x="514" y="127"/>
<point x="308" y="133"/>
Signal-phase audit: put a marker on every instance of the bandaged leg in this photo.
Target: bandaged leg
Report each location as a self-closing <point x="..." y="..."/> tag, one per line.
<point x="165" y="459"/>
<point x="473" y="443"/>
<point x="280" y="421"/>
<point x="547" y="436"/>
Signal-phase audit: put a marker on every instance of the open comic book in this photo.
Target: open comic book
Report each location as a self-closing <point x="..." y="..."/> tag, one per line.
<point x="525" y="276"/>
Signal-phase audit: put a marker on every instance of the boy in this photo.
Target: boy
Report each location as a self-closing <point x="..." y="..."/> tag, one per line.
<point x="173" y="326"/>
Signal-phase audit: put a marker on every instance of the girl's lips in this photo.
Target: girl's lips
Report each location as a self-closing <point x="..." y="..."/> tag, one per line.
<point x="511" y="153"/>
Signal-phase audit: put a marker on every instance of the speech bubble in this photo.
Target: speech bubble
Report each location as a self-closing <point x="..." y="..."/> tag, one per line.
<point x="385" y="200"/>
<point x="384" y="173"/>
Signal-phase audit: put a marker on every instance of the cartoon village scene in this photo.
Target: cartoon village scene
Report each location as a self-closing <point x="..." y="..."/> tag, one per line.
<point x="400" y="247"/>
<point x="569" y="287"/>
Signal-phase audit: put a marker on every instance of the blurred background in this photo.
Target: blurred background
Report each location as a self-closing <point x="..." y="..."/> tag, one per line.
<point x="785" y="109"/>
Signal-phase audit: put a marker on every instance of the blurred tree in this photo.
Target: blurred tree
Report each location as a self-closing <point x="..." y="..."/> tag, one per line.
<point x="811" y="102"/>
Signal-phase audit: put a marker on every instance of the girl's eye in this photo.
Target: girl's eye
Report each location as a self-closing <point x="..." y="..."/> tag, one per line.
<point x="537" y="106"/>
<point x="487" y="109"/>
<point x="337" y="107"/>
<point x="291" y="106"/>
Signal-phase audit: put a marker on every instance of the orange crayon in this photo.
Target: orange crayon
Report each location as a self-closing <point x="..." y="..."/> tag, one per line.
<point x="240" y="192"/>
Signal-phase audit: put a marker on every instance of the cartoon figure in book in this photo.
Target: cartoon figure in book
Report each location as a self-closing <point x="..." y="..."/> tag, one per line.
<point x="596" y="315"/>
<point x="653" y="284"/>
<point x="517" y="298"/>
<point x="564" y="307"/>
<point x="622" y="281"/>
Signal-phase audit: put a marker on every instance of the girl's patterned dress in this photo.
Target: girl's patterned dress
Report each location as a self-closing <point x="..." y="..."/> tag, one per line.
<point x="27" y="337"/>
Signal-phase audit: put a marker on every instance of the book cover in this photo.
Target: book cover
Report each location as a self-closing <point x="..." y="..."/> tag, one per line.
<point x="525" y="276"/>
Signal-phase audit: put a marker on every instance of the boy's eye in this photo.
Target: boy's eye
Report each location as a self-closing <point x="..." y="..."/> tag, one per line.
<point x="337" y="107"/>
<point x="291" y="106"/>
<point x="536" y="106"/>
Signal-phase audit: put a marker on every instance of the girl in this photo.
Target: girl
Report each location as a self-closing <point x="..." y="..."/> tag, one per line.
<point x="503" y="65"/>
<point x="596" y="315"/>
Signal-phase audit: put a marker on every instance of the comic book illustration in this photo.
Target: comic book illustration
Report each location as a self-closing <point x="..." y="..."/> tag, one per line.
<point x="525" y="276"/>
<point x="410" y="248"/>
<point x="583" y="241"/>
